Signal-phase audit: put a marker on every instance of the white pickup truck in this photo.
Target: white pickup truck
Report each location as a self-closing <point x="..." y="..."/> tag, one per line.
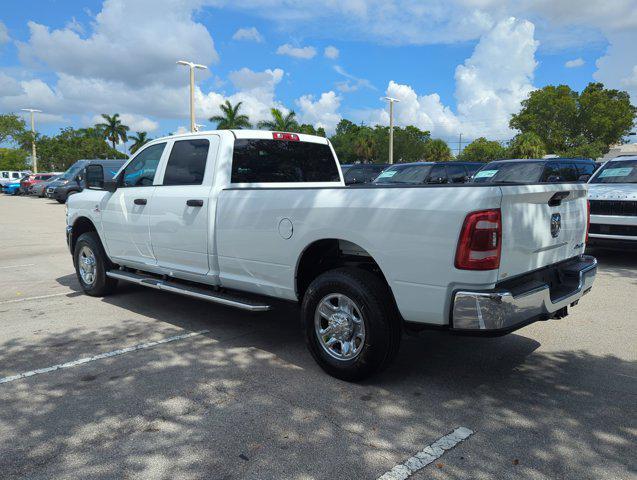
<point x="241" y="217"/>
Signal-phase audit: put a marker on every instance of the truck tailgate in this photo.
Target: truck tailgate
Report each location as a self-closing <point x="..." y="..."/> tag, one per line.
<point x="541" y="225"/>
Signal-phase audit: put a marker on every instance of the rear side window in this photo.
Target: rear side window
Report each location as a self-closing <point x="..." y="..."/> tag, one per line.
<point x="270" y="161"/>
<point x="141" y="171"/>
<point x="437" y="175"/>
<point x="187" y="162"/>
<point x="456" y="173"/>
<point x="568" y="172"/>
<point x="586" y="168"/>
<point x="551" y="173"/>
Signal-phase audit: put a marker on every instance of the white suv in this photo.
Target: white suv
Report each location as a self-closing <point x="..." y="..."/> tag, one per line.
<point x="613" y="204"/>
<point x="8" y="176"/>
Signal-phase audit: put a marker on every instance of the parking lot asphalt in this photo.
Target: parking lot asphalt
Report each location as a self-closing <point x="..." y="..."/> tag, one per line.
<point x="242" y="398"/>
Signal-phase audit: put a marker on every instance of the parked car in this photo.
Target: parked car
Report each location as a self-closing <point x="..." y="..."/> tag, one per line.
<point x="39" y="189"/>
<point x="11" y="176"/>
<point x="235" y="217"/>
<point x="12" y="188"/>
<point x="72" y="181"/>
<point x="613" y="202"/>
<point x="360" y="173"/>
<point x="427" y="172"/>
<point x="544" y="170"/>
<point x="29" y="181"/>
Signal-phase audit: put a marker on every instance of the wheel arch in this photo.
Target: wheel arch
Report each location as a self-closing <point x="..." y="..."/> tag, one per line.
<point x="325" y="254"/>
<point x="82" y="225"/>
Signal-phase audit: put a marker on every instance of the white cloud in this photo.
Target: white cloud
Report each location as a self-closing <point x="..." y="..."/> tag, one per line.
<point x="4" y="34"/>
<point x="256" y="91"/>
<point x="576" y="62"/>
<point x="351" y="82"/>
<point x="489" y="87"/>
<point x="322" y="112"/>
<point x="136" y="43"/>
<point x="331" y="52"/>
<point x="297" y="52"/>
<point x="618" y="67"/>
<point x="248" y="34"/>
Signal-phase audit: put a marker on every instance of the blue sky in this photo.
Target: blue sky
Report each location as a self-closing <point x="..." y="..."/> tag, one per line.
<point x="457" y="66"/>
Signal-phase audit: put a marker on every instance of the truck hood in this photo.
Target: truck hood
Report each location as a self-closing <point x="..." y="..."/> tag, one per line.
<point x="616" y="191"/>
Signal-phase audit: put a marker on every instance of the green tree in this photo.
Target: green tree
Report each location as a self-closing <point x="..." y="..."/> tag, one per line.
<point x="280" y="122"/>
<point x="13" y="159"/>
<point x="482" y="150"/>
<point x="564" y="119"/>
<point x="59" y="152"/>
<point x="11" y="126"/>
<point x="437" y="150"/>
<point x="139" y="140"/>
<point x="113" y="129"/>
<point x="230" y="118"/>
<point x="364" y="146"/>
<point x="526" y="145"/>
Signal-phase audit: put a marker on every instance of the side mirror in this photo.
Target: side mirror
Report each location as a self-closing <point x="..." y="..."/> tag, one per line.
<point x="94" y="175"/>
<point x="583" y="178"/>
<point x="553" y="179"/>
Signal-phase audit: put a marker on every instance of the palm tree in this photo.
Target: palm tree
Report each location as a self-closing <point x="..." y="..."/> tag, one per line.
<point x="139" y="141"/>
<point x="364" y="146"/>
<point x="527" y="145"/>
<point x="113" y="129"/>
<point x="437" y="150"/>
<point x="230" y="119"/>
<point x="279" y="122"/>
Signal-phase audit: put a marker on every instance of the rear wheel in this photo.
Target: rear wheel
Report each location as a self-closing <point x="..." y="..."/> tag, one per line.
<point x="91" y="265"/>
<point x="351" y="324"/>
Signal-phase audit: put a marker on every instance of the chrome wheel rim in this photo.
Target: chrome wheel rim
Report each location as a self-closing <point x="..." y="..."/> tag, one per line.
<point x="86" y="263"/>
<point x="339" y="326"/>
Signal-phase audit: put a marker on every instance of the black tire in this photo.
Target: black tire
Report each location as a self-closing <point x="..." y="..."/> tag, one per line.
<point x="59" y="200"/>
<point x="101" y="284"/>
<point x="374" y="300"/>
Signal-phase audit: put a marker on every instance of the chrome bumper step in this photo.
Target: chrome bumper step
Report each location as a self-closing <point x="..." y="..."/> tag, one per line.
<point x="189" y="291"/>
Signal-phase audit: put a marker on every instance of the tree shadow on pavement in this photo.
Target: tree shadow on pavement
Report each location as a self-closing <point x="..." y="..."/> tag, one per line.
<point x="246" y="400"/>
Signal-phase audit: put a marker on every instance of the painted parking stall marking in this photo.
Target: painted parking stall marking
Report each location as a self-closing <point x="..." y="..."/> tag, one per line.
<point x="427" y="455"/>
<point x="41" y="297"/>
<point x="101" y="356"/>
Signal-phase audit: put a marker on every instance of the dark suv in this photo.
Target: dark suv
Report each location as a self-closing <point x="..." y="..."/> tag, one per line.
<point x="417" y="173"/>
<point x="72" y="181"/>
<point x="549" y="170"/>
<point x="361" y="172"/>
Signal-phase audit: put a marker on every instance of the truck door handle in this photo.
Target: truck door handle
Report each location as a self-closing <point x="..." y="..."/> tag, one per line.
<point x="194" y="203"/>
<point x="140" y="201"/>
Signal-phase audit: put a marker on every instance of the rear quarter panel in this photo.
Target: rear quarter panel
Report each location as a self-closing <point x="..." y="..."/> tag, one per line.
<point x="411" y="233"/>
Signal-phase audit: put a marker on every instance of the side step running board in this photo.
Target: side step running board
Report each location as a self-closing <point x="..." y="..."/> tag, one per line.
<point x="189" y="291"/>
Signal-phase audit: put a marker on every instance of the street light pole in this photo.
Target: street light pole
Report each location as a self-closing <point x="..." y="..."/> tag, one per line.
<point x="33" y="155"/>
<point x="192" y="66"/>
<point x="391" y="128"/>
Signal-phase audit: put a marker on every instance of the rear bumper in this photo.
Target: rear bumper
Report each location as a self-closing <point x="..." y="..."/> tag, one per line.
<point x="526" y="300"/>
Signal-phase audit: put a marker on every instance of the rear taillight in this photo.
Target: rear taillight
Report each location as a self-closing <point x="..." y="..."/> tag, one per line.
<point x="293" y="137"/>
<point x="588" y="218"/>
<point x="479" y="246"/>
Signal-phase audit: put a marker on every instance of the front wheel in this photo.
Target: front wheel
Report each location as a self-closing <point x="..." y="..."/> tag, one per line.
<point x="351" y="324"/>
<point x="91" y="265"/>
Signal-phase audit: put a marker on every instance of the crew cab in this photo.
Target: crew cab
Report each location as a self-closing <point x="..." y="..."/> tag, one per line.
<point x="613" y="199"/>
<point x="245" y="218"/>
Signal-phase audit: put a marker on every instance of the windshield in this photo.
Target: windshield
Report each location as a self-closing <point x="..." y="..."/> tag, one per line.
<point x="73" y="170"/>
<point x="405" y="174"/>
<point x="509" y="172"/>
<point x="624" y="171"/>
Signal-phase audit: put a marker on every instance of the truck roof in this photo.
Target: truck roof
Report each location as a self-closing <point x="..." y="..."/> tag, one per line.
<point x="258" y="134"/>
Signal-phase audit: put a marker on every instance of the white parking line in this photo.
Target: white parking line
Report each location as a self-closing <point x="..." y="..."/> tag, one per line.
<point x="17" y="300"/>
<point x="18" y="266"/>
<point x="114" y="353"/>
<point x="427" y="455"/>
